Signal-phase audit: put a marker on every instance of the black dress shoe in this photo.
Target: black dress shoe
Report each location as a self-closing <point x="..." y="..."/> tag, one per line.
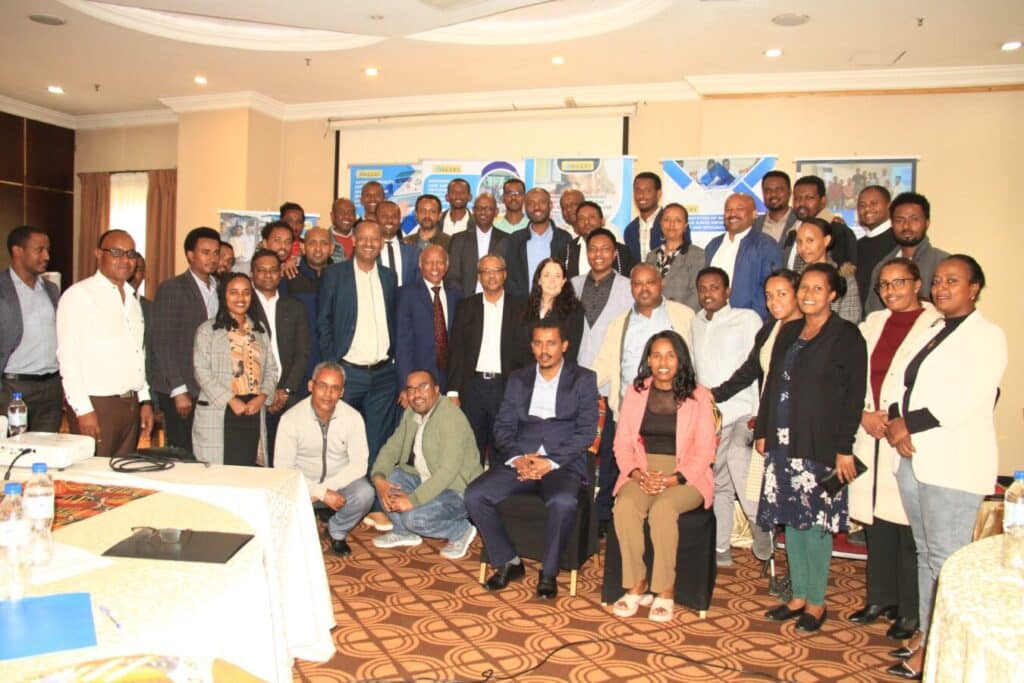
<point x="507" y="572"/>
<point x="870" y="613"/>
<point x="902" y="652"/>
<point x="902" y="628"/>
<point x="901" y="670"/>
<point x="340" y="547"/>
<point x="809" y="623"/>
<point x="547" y="588"/>
<point x="783" y="613"/>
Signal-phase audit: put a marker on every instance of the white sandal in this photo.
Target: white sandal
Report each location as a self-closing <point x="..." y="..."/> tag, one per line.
<point x="661" y="610"/>
<point x="629" y="603"/>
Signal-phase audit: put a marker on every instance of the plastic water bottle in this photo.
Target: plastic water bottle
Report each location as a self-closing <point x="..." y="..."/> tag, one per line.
<point x="37" y="502"/>
<point x="17" y="415"/>
<point x="1013" y="524"/>
<point x="13" y="538"/>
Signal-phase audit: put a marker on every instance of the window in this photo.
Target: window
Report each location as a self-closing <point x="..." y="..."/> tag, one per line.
<point x="128" y="193"/>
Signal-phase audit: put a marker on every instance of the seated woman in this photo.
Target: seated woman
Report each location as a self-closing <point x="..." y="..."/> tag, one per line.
<point x="813" y="243"/>
<point x="553" y="298"/>
<point x="236" y="372"/>
<point x="664" y="445"/>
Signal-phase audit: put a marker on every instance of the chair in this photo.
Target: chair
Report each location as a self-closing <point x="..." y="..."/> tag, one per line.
<point x="525" y="516"/>
<point x="696" y="568"/>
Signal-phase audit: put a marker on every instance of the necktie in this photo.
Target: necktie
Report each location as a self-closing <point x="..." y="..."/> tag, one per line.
<point x="391" y="256"/>
<point x="440" y="332"/>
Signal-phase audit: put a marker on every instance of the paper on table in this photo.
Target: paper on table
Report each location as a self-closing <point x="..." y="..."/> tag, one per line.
<point x="67" y="561"/>
<point x="48" y="623"/>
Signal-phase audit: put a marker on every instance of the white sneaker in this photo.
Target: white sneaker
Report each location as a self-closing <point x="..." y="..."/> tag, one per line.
<point x="394" y="540"/>
<point x="456" y="550"/>
<point x="378" y="521"/>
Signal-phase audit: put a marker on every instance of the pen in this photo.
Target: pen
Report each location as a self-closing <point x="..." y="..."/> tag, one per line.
<point x="106" y="612"/>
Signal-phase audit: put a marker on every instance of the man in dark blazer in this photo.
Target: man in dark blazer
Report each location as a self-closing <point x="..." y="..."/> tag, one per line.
<point x="181" y="305"/>
<point x="647" y="197"/>
<point x="547" y="421"/>
<point x="28" y="331"/>
<point x="420" y="343"/>
<point x="284" y="317"/>
<point x="464" y="250"/>
<point x="589" y="216"/>
<point x="477" y="373"/>
<point x="395" y="254"/>
<point x="525" y="249"/>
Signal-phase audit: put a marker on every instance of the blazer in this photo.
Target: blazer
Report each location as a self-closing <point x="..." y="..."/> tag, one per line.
<point x="566" y="436"/>
<point x="573" y="324"/>
<point x="415" y="346"/>
<point x="470" y="223"/>
<point x="620" y="299"/>
<point x="410" y="255"/>
<point x="757" y="257"/>
<point x="876" y="493"/>
<point x="339" y="308"/>
<point x="463" y="257"/>
<point x="449" y="449"/>
<point x="11" y="327"/>
<point x="927" y="259"/>
<point x="631" y="236"/>
<point x="826" y="392"/>
<point x="467" y="333"/>
<point x="681" y="282"/>
<point x="304" y="287"/>
<point x="213" y="371"/>
<point x="519" y="279"/>
<point x="961" y="452"/>
<point x="292" y="340"/>
<point x="178" y="310"/>
<point x="570" y="258"/>
<point x="440" y="238"/>
<point x="791" y="220"/>
<point x="696" y="439"/>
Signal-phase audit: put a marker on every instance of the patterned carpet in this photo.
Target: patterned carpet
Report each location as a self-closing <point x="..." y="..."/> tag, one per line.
<point x="407" y="614"/>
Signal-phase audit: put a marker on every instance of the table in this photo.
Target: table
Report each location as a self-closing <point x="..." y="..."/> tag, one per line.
<point x="976" y="632"/>
<point x="191" y="609"/>
<point x="275" y="503"/>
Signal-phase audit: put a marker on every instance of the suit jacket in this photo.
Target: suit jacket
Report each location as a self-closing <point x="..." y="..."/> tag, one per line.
<point x="927" y="259"/>
<point x="470" y="223"/>
<point x="178" y="310"/>
<point x="440" y="238"/>
<point x="791" y="220"/>
<point x="681" y="282"/>
<point x="463" y="257"/>
<point x="566" y="436"/>
<point x="757" y="257"/>
<point x="292" y="340"/>
<point x="570" y="258"/>
<point x="410" y="255"/>
<point x="415" y="346"/>
<point x="467" y="332"/>
<point x="631" y="236"/>
<point x="10" y="314"/>
<point x="339" y="308"/>
<point x="519" y="279"/>
<point x="147" y="337"/>
<point x="304" y="287"/>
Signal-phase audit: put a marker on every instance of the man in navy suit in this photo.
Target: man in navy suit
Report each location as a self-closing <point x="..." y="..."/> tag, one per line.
<point x="394" y="253"/>
<point x="643" y="233"/>
<point x="547" y="421"/>
<point x="426" y="309"/>
<point x="356" y="326"/>
<point x="525" y="249"/>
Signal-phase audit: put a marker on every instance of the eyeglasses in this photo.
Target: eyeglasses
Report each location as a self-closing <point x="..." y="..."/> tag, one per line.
<point x="492" y="271"/>
<point x="166" y="536"/>
<point x="897" y="284"/>
<point x="419" y="388"/>
<point x="266" y="271"/>
<point x="117" y="252"/>
<point x="512" y="193"/>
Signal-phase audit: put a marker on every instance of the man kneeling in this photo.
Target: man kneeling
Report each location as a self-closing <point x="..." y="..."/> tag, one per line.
<point x="422" y="471"/>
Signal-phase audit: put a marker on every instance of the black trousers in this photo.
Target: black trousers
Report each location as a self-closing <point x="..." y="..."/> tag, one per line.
<point x="177" y="429"/>
<point x="241" y="436"/>
<point x="608" y="469"/>
<point x="892" y="566"/>
<point x="44" y="398"/>
<point x="480" y="404"/>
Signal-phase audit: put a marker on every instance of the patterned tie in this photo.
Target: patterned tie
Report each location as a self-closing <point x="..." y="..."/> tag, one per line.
<point x="440" y="332"/>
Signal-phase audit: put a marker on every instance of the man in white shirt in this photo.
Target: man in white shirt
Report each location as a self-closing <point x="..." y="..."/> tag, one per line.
<point x="370" y="198"/>
<point x="457" y="218"/>
<point x="722" y="339"/>
<point x="325" y="439"/>
<point x="101" y="354"/>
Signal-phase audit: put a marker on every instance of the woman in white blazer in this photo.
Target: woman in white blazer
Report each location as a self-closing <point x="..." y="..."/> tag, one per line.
<point x="236" y="372"/>
<point x="941" y="424"/>
<point x="893" y="337"/>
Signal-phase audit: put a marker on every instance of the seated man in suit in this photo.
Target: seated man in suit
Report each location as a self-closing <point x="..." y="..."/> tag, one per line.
<point x="426" y="308"/>
<point x="547" y="421"/>
<point x="422" y="471"/>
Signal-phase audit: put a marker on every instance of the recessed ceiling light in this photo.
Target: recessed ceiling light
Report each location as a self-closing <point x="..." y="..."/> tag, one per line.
<point x="376" y="17"/>
<point x="558" y="61"/>
<point x="790" y="19"/>
<point x="371" y="71"/>
<point x="773" y="52"/>
<point x="200" y="80"/>
<point x="47" y="19"/>
<point x="55" y="89"/>
<point x="1011" y="46"/>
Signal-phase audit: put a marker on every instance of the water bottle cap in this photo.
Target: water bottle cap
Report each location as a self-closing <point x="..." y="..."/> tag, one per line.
<point x="1018" y="475"/>
<point x="16" y="396"/>
<point x="38" y="467"/>
<point x="12" y="488"/>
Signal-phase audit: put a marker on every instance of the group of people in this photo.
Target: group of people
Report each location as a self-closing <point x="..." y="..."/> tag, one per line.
<point x="418" y="381"/>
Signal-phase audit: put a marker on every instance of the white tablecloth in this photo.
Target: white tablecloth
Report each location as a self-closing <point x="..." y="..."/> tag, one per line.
<point x="191" y="609"/>
<point x="276" y="505"/>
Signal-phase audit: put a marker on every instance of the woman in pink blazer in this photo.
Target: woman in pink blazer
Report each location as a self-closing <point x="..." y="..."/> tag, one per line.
<point x="664" y="445"/>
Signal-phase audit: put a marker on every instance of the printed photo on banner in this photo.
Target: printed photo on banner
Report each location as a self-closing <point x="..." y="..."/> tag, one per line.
<point x="702" y="184"/>
<point x="607" y="181"/>
<point x="845" y="178"/>
<point x="482" y="176"/>
<point x="402" y="184"/>
<point x="241" y="229"/>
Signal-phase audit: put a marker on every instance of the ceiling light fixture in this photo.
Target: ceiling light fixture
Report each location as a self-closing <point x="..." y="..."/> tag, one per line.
<point x="200" y="80"/>
<point x="55" y="89"/>
<point x="371" y="71"/>
<point x="1010" y="46"/>
<point x="47" y="19"/>
<point x="376" y="17"/>
<point x="558" y="61"/>
<point x="773" y="52"/>
<point x="790" y="19"/>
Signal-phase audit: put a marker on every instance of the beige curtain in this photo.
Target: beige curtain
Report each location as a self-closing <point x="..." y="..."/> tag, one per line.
<point x="95" y="220"/>
<point x="160" y="222"/>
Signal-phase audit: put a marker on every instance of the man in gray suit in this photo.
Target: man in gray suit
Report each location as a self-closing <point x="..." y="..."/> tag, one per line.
<point x="181" y="305"/>
<point x="473" y="243"/>
<point x="28" y="330"/>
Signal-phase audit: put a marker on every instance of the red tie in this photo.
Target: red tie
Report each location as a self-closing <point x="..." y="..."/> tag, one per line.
<point x="440" y="332"/>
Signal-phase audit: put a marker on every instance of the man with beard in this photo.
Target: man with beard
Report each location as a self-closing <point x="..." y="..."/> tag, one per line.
<point x="910" y="214"/>
<point x="343" y="217"/>
<point x="226" y="262"/>
<point x="809" y="201"/>
<point x="457" y="218"/>
<point x="428" y="224"/>
<point x="525" y="249"/>
<point x="747" y="256"/>
<point x="878" y="239"/>
<point x="643" y="233"/>
<point x="304" y="285"/>
<point x="513" y="194"/>
<point x="589" y="217"/>
<point x="779" y="219"/>
<point x="395" y="254"/>
<point x="473" y="243"/>
<point x="569" y="202"/>
<point x="370" y="197"/>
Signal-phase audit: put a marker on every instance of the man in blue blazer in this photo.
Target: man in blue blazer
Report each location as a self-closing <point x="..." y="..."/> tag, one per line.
<point x="417" y="345"/>
<point x="394" y="253"/>
<point x="546" y="422"/>
<point x="525" y="249"/>
<point x="647" y="197"/>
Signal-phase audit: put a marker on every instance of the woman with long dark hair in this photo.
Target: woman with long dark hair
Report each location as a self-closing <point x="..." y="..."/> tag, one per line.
<point x="553" y="298"/>
<point x="236" y="372"/>
<point x="664" y="446"/>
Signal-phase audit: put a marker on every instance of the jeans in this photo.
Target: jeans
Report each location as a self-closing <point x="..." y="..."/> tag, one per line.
<point x="443" y="517"/>
<point x="359" y="496"/>
<point x="942" y="520"/>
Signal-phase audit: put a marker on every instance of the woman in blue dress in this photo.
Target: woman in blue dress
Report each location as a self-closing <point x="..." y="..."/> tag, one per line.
<point x="809" y="415"/>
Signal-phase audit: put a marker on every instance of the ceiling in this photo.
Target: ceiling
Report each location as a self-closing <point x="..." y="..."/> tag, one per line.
<point x="433" y="47"/>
